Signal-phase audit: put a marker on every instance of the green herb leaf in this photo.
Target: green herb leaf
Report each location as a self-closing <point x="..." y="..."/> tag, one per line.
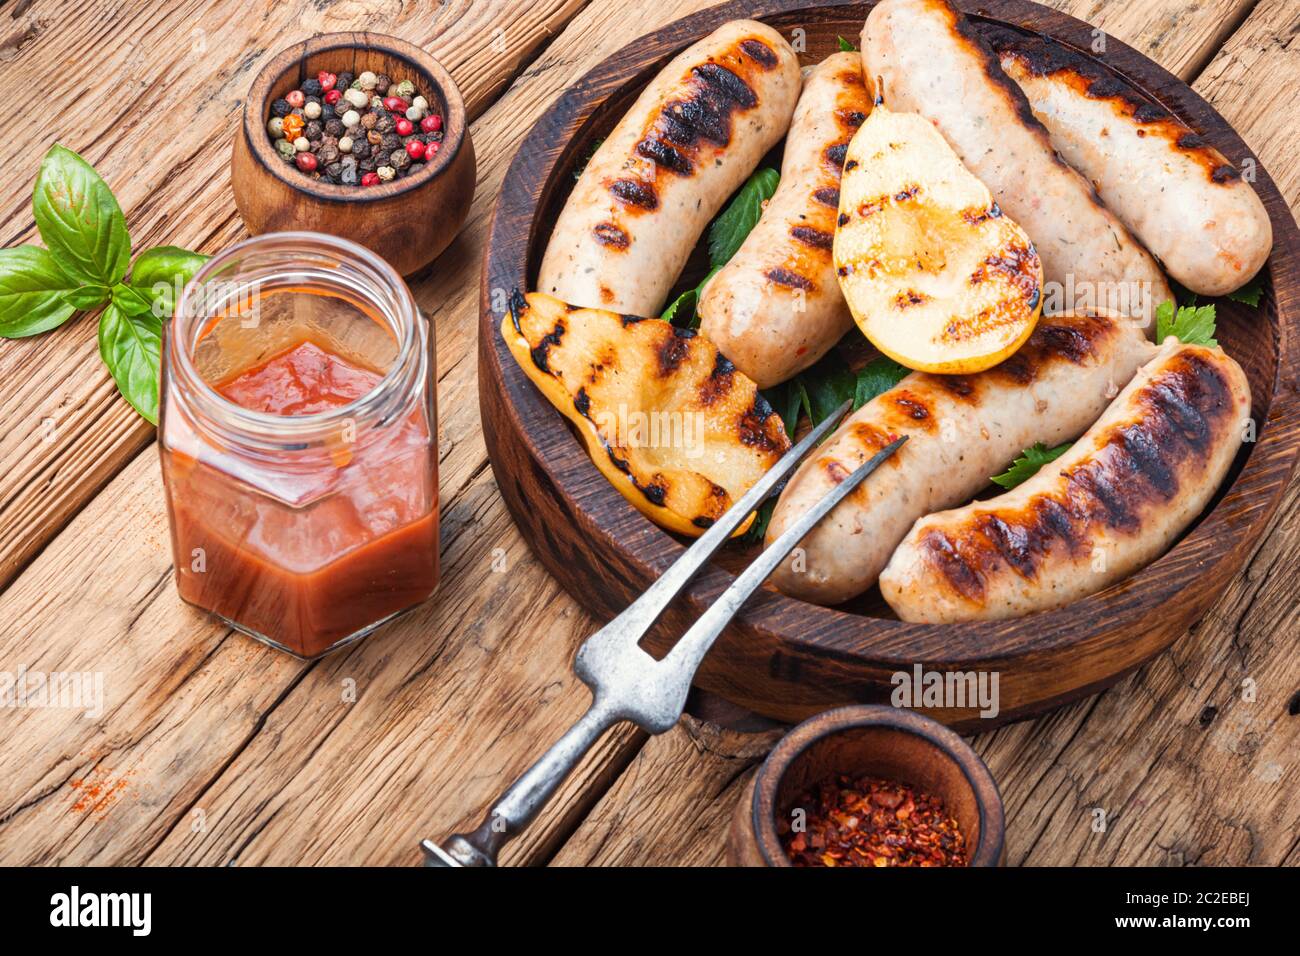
<point x="79" y="219"/>
<point x="734" y="223"/>
<point x="828" y="385"/>
<point x="130" y="347"/>
<point x="32" y="291"/>
<point x="1250" y="293"/>
<point x="877" y="377"/>
<point x="591" y="151"/>
<point x="845" y="45"/>
<point x="87" y="297"/>
<point x="1027" y="465"/>
<point x="682" y="309"/>
<point x="131" y="301"/>
<point x="160" y="274"/>
<point x="755" y="533"/>
<point x="1193" y="325"/>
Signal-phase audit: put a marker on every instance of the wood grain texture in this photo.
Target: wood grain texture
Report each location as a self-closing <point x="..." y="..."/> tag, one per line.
<point x="788" y="659"/>
<point x="452" y="702"/>
<point x="1192" y="759"/>
<point x="66" y="432"/>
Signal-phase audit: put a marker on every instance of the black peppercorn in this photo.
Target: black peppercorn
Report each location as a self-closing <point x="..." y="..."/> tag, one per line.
<point x="382" y="83"/>
<point x="333" y="170"/>
<point x="367" y="165"/>
<point x="399" y="160"/>
<point x="328" y="153"/>
<point x="344" y="80"/>
<point x="311" y="88"/>
<point x="385" y="123"/>
<point x="334" y="127"/>
<point x="391" y="141"/>
<point x="281" y="108"/>
<point x="368" y="121"/>
<point x="360" y="148"/>
<point x="348" y="174"/>
<point x="314" y="129"/>
<point x="327" y="112"/>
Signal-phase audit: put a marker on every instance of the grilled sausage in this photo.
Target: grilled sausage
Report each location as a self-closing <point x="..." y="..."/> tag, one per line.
<point x="1112" y="503"/>
<point x="1180" y="195"/>
<point x="687" y="143"/>
<point x="776" y="307"/>
<point x="928" y="59"/>
<point x="961" y="428"/>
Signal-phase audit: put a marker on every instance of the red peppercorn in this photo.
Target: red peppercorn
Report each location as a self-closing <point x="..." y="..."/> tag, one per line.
<point x="430" y="149"/>
<point x="326" y="80"/>
<point x="370" y="179"/>
<point x="306" y="162"/>
<point x="333" y="96"/>
<point x="395" y="104"/>
<point x="404" y="127"/>
<point x="415" y="149"/>
<point x="295" y="98"/>
<point x="431" y="124"/>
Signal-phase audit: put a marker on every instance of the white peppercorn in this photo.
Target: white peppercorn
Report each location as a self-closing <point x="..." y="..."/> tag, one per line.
<point x="386" y="172"/>
<point x="351" y="118"/>
<point x="311" y="111"/>
<point x="302" y="144"/>
<point x="345" y="144"/>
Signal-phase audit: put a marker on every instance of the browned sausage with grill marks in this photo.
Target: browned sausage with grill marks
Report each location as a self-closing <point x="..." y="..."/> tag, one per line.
<point x="776" y="307"/>
<point x="688" y="142"/>
<point x="1110" y="505"/>
<point x="1187" y="203"/>
<point x="961" y="429"/>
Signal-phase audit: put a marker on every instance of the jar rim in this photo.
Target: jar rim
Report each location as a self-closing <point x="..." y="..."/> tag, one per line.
<point x="402" y="312"/>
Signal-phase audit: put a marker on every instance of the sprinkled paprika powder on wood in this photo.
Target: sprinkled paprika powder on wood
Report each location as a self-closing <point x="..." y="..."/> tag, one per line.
<point x="871" y="822"/>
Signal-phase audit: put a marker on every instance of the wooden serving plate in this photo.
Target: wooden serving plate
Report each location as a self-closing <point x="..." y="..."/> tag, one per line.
<point x="788" y="659"/>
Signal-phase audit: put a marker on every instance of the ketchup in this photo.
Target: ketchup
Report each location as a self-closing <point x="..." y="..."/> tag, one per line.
<point x="306" y="557"/>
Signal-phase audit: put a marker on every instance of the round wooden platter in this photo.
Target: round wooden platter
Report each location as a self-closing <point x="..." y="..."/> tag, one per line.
<point x="783" y="657"/>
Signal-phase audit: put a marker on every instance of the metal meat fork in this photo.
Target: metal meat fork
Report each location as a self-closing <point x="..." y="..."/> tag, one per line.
<point x="627" y="683"/>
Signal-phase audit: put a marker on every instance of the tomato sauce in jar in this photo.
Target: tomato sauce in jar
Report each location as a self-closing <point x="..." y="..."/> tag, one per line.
<point x="298" y="441"/>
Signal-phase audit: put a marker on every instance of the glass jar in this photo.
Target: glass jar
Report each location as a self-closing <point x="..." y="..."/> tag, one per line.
<point x="298" y="435"/>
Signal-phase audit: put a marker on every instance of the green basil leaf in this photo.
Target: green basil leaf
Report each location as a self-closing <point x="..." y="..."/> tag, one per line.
<point x="734" y="223"/>
<point x="79" y="219"/>
<point x="32" y="290"/>
<point x="87" y="297"/>
<point x="845" y="45"/>
<point x="1027" y="465"/>
<point x="877" y="377"/>
<point x="161" y="273"/>
<point x="682" y="309"/>
<point x="131" y="301"/>
<point x="130" y="347"/>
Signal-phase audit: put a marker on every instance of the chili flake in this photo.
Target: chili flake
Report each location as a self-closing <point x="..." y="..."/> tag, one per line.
<point x="870" y="822"/>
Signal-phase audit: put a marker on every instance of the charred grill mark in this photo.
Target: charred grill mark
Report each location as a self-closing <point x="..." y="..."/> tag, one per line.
<point x="843" y="220"/>
<point x="628" y="319"/>
<point x="871" y="208"/>
<point x="958" y="386"/>
<point x="582" y="402"/>
<point x="761" y="428"/>
<point x="1225" y="173"/>
<point x="1018" y="267"/>
<point x="1012" y="543"/>
<point x="655" y="492"/>
<point x="518" y="306"/>
<point x="850" y="119"/>
<point x="703" y="522"/>
<point x="540" y="351"/>
<point x="783" y="276"/>
<point x="828" y="196"/>
<point x="907" y="192"/>
<point x="720" y="381"/>
<point x="835" y="471"/>
<point x="1094" y="491"/>
<point x="665" y="156"/>
<point x="945" y="558"/>
<point x="913" y="407"/>
<point x="809" y="236"/>
<point x="759" y="52"/>
<point x="671" y="352"/>
<point x="975" y="217"/>
<point x="1041" y="57"/>
<point x="1143" y="456"/>
<point x="608" y="234"/>
<point x="630" y="192"/>
<point x="905" y="300"/>
<point x="993" y="70"/>
<point x="726" y="84"/>
<point x="851" y="165"/>
<point x="705" y="112"/>
<point x="835" y="156"/>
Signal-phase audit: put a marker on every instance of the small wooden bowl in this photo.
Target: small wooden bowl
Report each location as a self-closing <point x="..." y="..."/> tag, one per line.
<point x="876" y="741"/>
<point x="407" y="221"/>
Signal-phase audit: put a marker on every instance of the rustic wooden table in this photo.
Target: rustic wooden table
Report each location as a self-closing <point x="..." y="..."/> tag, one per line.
<point x="212" y="749"/>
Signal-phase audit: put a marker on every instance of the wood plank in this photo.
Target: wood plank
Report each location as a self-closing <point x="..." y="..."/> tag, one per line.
<point x="66" y="431"/>
<point x="453" y="700"/>
<point x="1192" y="759"/>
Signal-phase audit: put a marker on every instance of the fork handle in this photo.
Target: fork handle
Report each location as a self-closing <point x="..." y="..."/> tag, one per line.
<point x="521" y="803"/>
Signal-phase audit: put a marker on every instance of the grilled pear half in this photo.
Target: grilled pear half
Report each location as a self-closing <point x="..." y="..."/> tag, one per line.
<point x="677" y="429"/>
<point x="935" y="275"/>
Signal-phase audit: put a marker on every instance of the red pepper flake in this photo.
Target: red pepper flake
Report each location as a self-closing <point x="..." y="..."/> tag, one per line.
<point x="870" y="822"/>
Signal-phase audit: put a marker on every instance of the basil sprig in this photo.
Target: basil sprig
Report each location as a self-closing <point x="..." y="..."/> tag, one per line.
<point x="84" y="267"/>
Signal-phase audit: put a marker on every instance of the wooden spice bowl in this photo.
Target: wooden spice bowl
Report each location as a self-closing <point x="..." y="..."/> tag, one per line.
<point x="408" y="221"/>
<point x="877" y="741"/>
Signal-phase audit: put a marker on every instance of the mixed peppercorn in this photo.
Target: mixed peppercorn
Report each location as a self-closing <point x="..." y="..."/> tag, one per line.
<point x="870" y="822"/>
<point x="355" y="130"/>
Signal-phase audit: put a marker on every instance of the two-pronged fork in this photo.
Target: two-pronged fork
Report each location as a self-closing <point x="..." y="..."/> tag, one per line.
<point x="629" y="684"/>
